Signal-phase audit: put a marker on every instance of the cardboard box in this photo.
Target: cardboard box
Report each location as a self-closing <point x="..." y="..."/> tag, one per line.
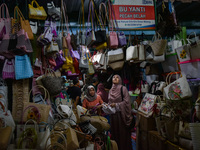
<point x="156" y="142"/>
<point x="142" y="140"/>
<point x="146" y="124"/>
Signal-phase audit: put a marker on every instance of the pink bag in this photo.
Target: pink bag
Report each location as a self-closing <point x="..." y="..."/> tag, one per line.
<point x="5" y="18"/>
<point x="9" y="69"/>
<point x="113" y="39"/>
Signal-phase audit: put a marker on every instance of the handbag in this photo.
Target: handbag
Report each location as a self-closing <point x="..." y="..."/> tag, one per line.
<point x="53" y="84"/>
<point x="23" y="68"/>
<point x="158" y="45"/>
<point x="184" y="130"/>
<point x="83" y="62"/>
<point x="24" y="23"/>
<point x="115" y="55"/>
<point x="37" y="112"/>
<point x="141" y="52"/>
<point x="46" y="37"/>
<point x="132" y="53"/>
<point x="146" y="106"/>
<point x="118" y="65"/>
<point x="183" y="52"/>
<point x="90" y="35"/>
<point x="52" y="25"/>
<point x="9" y="69"/>
<point x="51" y="48"/>
<point x="90" y="68"/>
<point x="149" y="52"/>
<point x="144" y="87"/>
<point x="37" y="12"/>
<point x="53" y="11"/>
<point x="59" y="61"/>
<point x="43" y="138"/>
<point x="195" y="45"/>
<point x="179" y="89"/>
<point x="34" y="27"/>
<point x="5" y="20"/>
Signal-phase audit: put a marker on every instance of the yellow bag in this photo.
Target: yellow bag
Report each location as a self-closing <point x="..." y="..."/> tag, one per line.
<point x="102" y="46"/>
<point x="68" y="64"/>
<point x="36" y="12"/>
<point x="24" y="23"/>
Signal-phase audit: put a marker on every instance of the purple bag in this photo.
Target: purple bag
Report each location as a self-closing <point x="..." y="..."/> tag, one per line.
<point x="122" y="39"/>
<point x="75" y="54"/>
<point x="59" y="61"/>
<point x="9" y="69"/>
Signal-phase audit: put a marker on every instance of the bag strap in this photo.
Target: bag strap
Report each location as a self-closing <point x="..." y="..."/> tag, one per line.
<point x="103" y="22"/>
<point x="7" y="15"/>
<point x="34" y="1"/>
<point x="122" y="95"/>
<point x="65" y="17"/>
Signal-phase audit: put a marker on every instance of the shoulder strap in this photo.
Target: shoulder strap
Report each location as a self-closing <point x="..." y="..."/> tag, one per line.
<point x="122" y="93"/>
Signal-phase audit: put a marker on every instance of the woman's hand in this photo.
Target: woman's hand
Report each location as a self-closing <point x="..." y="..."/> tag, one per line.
<point x="113" y="105"/>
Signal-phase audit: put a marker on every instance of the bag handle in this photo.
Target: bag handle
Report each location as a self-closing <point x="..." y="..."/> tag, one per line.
<point x="65" y="17"/>
<point x="192" y="34"/>
<point x="90" y="16"/>
<point x="16" y="9"/>
<point x="34" y="1"/>
<point x="169" y="75"/>
<point x="155" y="37"/>
<point x="34" y="122"/>
<point x="2" y="9"/>
<point x="103" y="22"/>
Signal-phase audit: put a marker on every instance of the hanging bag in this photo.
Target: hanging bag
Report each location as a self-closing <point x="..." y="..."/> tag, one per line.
<point x="132" y="51"/>
<point x="9" y="69"/>
<point x="183" y="52"/>
<point x="23" y="68"/>
<point x="5" y="19"/>
<point x="159" y="45"/>
<point x="37" y="12"/>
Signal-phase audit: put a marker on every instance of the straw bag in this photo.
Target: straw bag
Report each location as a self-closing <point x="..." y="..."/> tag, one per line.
<point x="38" y="112"/>
<point x="178" y="89"/>
<point x="99" y="122"/>
<point x="115" y="55"/>
<point x="37" y="12"/>
<point x="52" y="83"/>
<point x="159" y="45"/>
<point x="117" y="65"/>
<point x="184" y="130"/>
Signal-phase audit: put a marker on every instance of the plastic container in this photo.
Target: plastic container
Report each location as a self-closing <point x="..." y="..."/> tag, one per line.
<point x="190" y="68"/>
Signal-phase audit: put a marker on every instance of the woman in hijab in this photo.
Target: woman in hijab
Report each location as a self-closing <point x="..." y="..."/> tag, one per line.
<point x="102" y="92"/>
<point x="92" y="99"/>
<point x="121" y="120"/>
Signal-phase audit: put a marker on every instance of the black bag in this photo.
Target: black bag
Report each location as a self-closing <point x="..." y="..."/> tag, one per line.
<point x="100" y="37"/>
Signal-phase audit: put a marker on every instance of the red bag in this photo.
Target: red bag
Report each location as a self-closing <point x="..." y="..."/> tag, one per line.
<point x="76" y="65"/>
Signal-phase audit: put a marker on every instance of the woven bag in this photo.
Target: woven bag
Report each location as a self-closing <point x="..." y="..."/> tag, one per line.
<point x="158" y="45"/>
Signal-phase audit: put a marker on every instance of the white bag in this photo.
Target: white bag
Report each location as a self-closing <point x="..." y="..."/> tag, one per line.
<point x="132" y="53"/>
<point x="7" y="117"/>
<point x="42" y="138"/>
<point x="34" y="27"/>
<point x="144" y="87"/>
<point x="170" y="64"/>
<point x="147" y="104"/>
<point x="108" y="109"/>
<point x="141" y="52"/>
<point x="115" y="55"/>
<point x="159" y="58"/>
<point x="183" y="52"/>
<point x="81" y="110"/>
<point x="178" y="89"/>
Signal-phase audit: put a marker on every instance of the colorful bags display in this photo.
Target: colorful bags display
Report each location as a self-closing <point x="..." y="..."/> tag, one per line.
<point x="37" y="12"/>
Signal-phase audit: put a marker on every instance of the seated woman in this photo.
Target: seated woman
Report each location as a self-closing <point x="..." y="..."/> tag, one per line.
<point x="92" y="99"/>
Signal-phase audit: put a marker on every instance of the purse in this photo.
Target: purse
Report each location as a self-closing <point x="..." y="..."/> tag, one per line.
<point x="177" y="90"/>
<point x="83" y="62"/>
<point x="9" y="69"/>
<point x="90" y="35"/>
<point x="24" y="23"/>
<point x="37" y="12"/>
<point x="5" y="20"/>
<point x="45" y="38"/>
<point x="34" y="27"/>
<point x="118" y="65"/>
<point x="115" y="55"/>
<point x="183" y="52"/>
<point x="158" y="45"/>
<point x="23" y="68"/>
<point x="52" y="48"/>
<point x="146" y="106"/>
<point x="132" y="53"/>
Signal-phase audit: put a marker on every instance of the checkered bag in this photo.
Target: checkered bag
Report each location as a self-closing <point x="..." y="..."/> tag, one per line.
<point x="23" y="69"/>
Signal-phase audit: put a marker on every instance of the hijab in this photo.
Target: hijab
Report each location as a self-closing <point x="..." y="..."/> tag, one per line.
<point x="88" y="96"/>
<point x="101" y="92"/>
<point x="124" y="105"/>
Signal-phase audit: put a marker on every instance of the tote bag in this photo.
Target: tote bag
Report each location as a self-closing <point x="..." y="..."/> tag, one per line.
<point x="9" y="69"/>
<point x="5" y="21"/>
<point x="177" y="90"/>
<point x="23" y="67"/>
<point x="183" y="52"/>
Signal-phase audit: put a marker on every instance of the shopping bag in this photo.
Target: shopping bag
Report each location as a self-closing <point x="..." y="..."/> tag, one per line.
<point x="23" y="68"/>
<point x="37" y="12"/>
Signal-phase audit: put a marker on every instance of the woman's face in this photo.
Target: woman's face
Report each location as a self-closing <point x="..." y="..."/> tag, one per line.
<point x="92" y="92"/>
<point x="115" y="79"/>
